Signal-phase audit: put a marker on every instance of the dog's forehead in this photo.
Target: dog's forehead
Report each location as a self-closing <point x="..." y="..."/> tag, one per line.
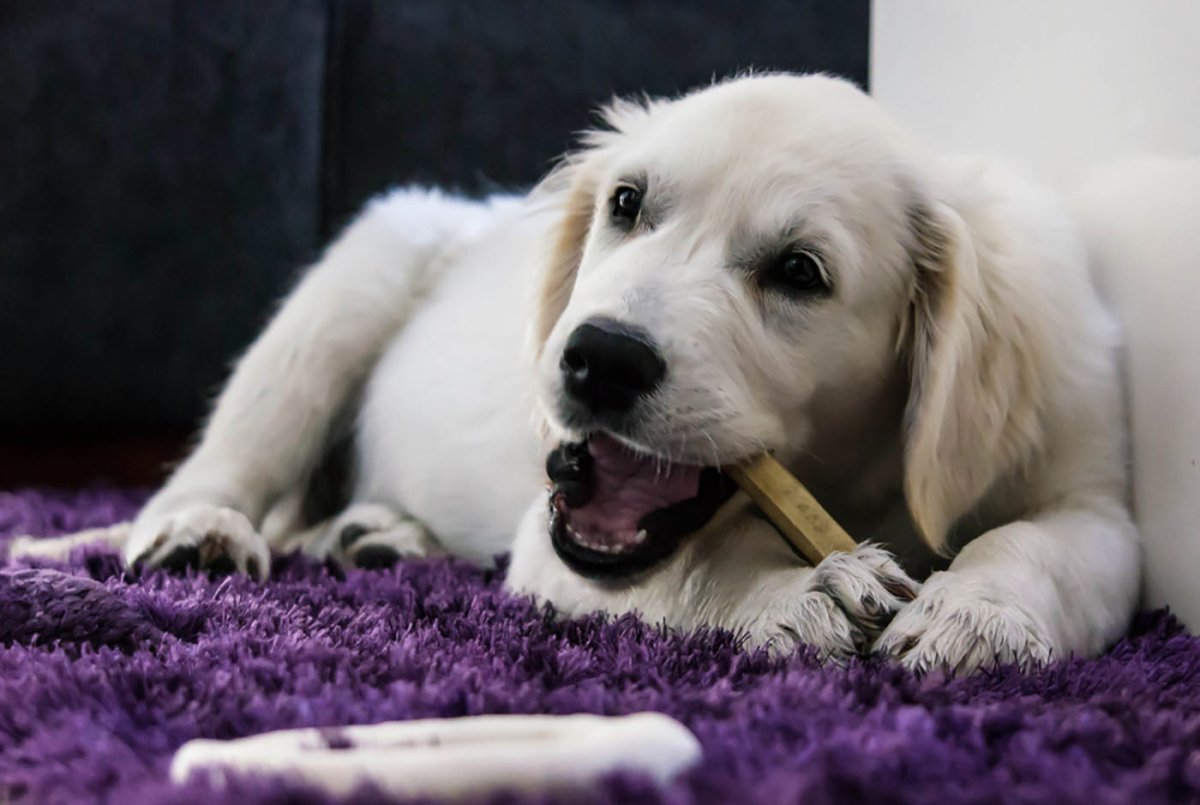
<point x="765" y="137"/>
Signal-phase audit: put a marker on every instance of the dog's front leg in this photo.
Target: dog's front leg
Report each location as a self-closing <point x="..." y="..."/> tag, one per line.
<point x="274" y="417"/>
<point x="1059" y="584"/>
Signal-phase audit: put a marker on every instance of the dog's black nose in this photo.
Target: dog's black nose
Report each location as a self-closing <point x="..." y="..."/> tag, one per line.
<point x="607" y="366"/>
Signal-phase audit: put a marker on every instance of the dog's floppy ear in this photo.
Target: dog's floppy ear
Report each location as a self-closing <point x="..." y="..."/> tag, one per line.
<point x="572" y="188"/>
<point x="974" y="407"/>
<point x="576" y="198"/>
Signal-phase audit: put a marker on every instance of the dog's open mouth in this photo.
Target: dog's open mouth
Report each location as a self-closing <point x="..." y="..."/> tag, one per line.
<point x="614" y="512"/>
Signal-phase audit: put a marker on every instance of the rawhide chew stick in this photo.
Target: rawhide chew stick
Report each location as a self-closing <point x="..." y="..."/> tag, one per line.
<point x="452" y="758"/>
<point x="791" y="507"/>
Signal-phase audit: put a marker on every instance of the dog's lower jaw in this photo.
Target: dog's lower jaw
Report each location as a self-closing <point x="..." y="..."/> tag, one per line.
<point x="734" y="574"/>
<point x="599" y="566"/>
<point x="665" y="591"/>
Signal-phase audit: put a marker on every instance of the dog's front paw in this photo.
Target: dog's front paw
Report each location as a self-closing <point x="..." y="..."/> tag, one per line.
<point x="840" y="608"/>
<point x="213" y="538"/>
<point x="960" y="625"/>
<point x="372" y="536"/>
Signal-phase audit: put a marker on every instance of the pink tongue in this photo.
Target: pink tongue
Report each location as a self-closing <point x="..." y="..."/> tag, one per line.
<point x="626" y="487"/>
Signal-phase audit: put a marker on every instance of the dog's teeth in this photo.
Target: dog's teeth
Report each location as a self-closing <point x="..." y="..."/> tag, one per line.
<point x="602" y="546"/>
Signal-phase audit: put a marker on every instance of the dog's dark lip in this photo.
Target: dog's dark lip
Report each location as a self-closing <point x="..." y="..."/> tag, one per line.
<point x="568" y="468"/>
<point x="665" y="528"/>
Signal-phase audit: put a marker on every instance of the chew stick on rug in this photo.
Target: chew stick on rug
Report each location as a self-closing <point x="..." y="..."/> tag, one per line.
<point x="453" y="757"/>
<point x="791" y="507"/>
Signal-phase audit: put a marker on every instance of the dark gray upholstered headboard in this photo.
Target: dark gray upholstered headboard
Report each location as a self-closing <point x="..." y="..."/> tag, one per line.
<point x="167" y="166"/>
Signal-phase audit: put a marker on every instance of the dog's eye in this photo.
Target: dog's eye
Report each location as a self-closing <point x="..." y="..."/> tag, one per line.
<point x="626" y="204"/>
<point x="798" y="271"/>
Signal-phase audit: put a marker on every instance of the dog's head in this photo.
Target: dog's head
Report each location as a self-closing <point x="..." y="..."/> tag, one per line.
<point x="760" y="265"/>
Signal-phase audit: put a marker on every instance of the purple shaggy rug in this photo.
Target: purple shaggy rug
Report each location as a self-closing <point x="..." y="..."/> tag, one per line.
<point x="101" y="678"/>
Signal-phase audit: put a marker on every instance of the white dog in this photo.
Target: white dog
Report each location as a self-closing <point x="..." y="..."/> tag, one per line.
<point x="765" y="264"/>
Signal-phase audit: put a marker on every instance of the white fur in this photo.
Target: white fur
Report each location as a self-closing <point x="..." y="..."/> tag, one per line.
<point x="958" y="385"/>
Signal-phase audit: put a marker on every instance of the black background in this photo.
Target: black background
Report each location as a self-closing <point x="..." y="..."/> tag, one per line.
<point x="166" y="168"/>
